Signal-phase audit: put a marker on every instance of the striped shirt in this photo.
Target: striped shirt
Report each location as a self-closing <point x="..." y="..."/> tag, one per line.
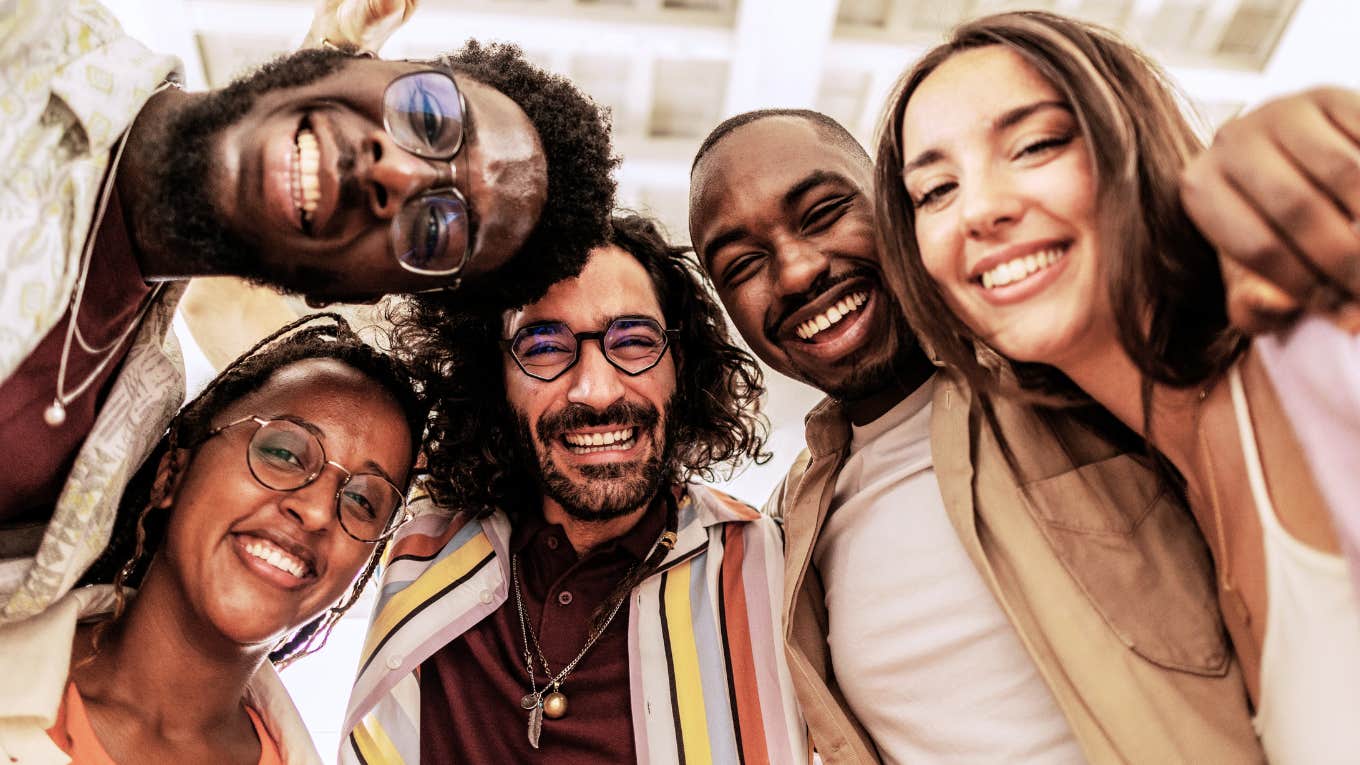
<point x="708" y="680"/>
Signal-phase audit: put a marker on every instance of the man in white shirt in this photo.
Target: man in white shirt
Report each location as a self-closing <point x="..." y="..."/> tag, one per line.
<point x="927" y="617"/>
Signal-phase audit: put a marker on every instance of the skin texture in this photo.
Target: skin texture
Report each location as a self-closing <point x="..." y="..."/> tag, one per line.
<point x="986" y="191"/>
<point x="1278" y="193"/>
<point x="207" y="615"/>
<point x="785" y="235"/>
<point x="612" y="284"/>
<point x="501" y="170"/>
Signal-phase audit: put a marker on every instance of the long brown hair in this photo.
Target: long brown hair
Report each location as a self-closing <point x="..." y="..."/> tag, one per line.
<point x="1162" y="276"/>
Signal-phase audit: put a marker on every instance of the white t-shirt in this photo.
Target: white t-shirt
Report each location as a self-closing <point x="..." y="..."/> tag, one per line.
<point x="926" y="658"/>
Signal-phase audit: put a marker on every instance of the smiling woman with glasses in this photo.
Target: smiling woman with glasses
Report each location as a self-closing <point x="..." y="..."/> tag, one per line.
<point x="250" y="530"/>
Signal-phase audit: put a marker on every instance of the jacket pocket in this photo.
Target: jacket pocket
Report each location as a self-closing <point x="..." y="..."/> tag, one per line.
<point x="1139" y="556"/>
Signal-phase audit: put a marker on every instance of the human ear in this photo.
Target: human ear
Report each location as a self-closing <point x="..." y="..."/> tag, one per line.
<point x="169" y="477"/>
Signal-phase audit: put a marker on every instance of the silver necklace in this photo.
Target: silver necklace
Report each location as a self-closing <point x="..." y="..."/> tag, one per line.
<point x="550" y="700"/>
<point x="55" y="415"/>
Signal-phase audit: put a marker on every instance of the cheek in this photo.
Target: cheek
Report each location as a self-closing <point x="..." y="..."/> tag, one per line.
<point x="938" y="250"/>
<point x="745" y="305"/>
<point x="347" y="559"/>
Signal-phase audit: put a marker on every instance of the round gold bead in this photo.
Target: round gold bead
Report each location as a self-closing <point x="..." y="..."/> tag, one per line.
<point x="554" y="705"/>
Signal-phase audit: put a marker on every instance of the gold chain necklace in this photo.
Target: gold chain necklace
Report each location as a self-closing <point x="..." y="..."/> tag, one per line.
<point x="55" y="415"/>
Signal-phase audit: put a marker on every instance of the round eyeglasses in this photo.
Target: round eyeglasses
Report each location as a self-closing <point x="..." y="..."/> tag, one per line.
<point x="285" y="456"/>
<point x="632" y="344"/>
<point x="424" y="113"/>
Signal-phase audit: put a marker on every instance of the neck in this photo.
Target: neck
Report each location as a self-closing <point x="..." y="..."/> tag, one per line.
<point x="909" y="374"/>
<point x="152" y="660"/>
<point x="134" y="183"/>
<point x="1111" y="378"/>
<point x="587" y="535"/>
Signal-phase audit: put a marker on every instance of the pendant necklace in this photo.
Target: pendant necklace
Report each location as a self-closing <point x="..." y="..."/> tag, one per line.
<point x="549" y="701"/>
<point x="55" y="415"/>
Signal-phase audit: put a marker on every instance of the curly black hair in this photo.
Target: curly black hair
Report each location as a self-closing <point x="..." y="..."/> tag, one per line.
<point x="470" y="450"/>
<point x="138" y="532"/>
<point x="575" y="132"/>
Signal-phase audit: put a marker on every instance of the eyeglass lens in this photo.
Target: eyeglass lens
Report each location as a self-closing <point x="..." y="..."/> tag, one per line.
<point x="285" y="456"/>
<point x="634" y="345"/>
<point x="423" y="113"/>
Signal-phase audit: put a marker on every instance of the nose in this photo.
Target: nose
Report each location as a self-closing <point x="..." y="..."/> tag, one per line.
<point x="313" y="505"/>
<point x="594" y="381"/>
<point x="988" y="205"/>
<point x="799" y="265"/>
<point x="394" y="175"/>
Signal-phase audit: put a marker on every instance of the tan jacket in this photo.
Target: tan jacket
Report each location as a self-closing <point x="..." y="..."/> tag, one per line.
<point x="1106" y="579"/>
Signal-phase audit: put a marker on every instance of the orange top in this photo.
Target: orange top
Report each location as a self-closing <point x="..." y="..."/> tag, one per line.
<point x="74" y="735"/>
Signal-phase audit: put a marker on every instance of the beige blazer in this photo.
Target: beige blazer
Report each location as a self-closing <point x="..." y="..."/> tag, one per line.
<point x="1105" y="577"/>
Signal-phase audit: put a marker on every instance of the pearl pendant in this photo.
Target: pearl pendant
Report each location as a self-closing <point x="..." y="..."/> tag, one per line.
<point x="54" y="415"/>
<point x="554" y="705"/>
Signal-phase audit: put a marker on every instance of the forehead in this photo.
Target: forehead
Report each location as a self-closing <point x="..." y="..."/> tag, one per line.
<point x="316" y="389"/>
<point x="761" y="160"/>
<point x="613" y="283"/>
<point x="968" y="88"/>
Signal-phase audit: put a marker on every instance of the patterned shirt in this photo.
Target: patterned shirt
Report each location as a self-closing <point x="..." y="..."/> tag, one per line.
<point x="70" y="84"/>
<point x="707" y="679"/>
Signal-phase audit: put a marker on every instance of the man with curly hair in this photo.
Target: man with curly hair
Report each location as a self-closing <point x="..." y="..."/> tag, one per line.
<point x="566" y="593"/>
<point x="338" y="176"/>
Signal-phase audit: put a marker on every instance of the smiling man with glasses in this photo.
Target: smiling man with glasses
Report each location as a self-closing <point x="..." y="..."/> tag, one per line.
<point x="564" y="572"/>
<point x="333" y="175"/>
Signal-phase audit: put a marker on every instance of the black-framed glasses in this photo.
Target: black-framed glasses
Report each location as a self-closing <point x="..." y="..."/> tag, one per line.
<point x="285" y="456"/>
<point x="424" y="113"/>
<point x="632" y="344"/>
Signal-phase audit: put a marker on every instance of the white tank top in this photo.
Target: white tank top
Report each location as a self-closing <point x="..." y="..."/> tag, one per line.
<point x="1309" y="710"/>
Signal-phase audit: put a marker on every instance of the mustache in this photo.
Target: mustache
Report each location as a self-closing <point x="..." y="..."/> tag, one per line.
<point x="790" y="305"/>
<point x="577" y="416"/>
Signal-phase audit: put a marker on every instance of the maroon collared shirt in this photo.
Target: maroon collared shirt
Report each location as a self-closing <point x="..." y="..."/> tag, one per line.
<point x="470" y="689"/>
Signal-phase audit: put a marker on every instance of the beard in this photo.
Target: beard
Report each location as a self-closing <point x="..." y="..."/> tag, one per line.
<point x="180" y="215"/>
<point x="605" y="491"/>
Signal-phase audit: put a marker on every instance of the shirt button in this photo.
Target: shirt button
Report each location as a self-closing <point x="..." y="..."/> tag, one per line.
<point x="552" y="543"/>
<point x="564" y="598"/>
<point x="484" y="596"/>
<point x="394" y="662"/>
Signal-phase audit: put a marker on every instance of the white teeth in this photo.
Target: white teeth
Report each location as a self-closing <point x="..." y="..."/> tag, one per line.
<point x="270" y="553"/>
<point x="832" y="315"/>
<point x="306" y="183"/>
<point x="1014" y="270"/>
<point x="586" y="443"/>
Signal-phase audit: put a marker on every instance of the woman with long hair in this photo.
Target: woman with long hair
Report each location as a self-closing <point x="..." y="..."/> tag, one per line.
<point x="1028" y="175"/>
<point x="252" y="527"/>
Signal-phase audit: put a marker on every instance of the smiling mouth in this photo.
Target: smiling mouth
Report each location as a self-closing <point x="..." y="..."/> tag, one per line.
<point x="591" y="443"/>
<point x="306" y="181"/>
<point x="277" y="557"/>
<point x="831" y="316"/>
<point x="1021" y="268"/>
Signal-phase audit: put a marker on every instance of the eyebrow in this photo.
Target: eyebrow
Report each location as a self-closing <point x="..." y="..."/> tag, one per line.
<point x="1006" y="120"/>
<point x="321" y="434"/>
<point x="791" y="197"/>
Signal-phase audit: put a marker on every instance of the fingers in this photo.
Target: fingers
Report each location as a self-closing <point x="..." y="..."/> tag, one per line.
<point x="1279" y="192"/>
<point x="362" y="24"/>
<point x="1229" y="217"/>
<point x="1254" y="304"/>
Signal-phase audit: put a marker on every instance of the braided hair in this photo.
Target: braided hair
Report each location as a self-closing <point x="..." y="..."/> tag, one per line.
<point x="138" y="532"/>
